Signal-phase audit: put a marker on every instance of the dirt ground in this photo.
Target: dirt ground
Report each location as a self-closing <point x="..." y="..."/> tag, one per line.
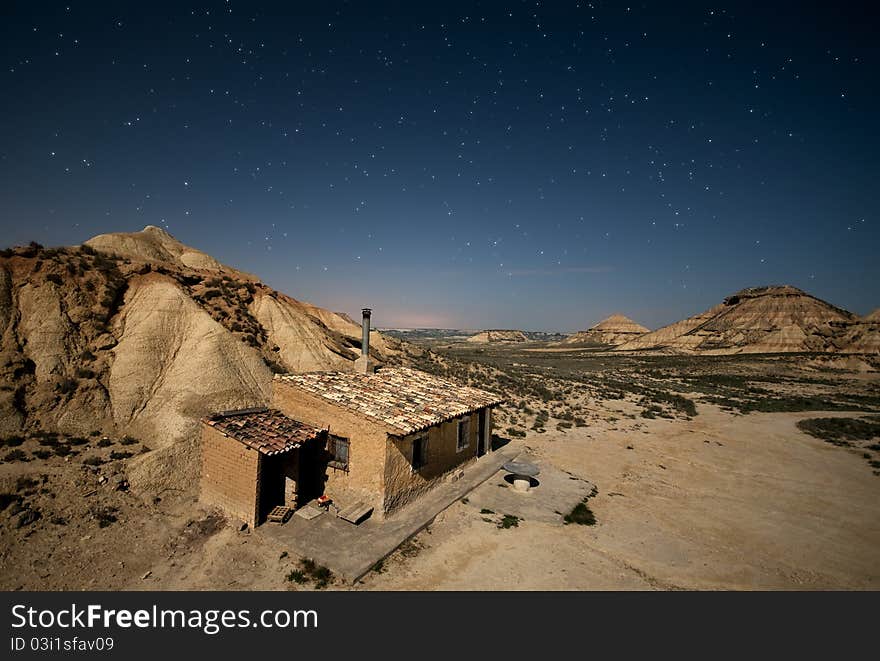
<point x="719" y="502"/>
<point x="706" y="497"/>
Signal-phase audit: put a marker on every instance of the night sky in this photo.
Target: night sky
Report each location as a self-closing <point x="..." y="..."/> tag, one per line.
<point x="534" y="165"/>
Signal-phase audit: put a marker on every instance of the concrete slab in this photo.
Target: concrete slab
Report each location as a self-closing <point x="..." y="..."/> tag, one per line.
<point x="555" y="494"/>
<point x="308" y="512"/>
<point x="350" y="551"/>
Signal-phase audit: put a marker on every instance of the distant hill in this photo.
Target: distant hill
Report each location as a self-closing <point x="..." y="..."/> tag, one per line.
<point x="769" y="319"/>
<point x="861" y="335"/>
<point x="612" y="331"/>
<point x="496" y="335"/>
<point x="137" y="333"/>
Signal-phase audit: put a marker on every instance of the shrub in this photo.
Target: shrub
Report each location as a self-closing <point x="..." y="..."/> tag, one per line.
<point x="839" y="431"/>
<point x="309" y="569"/>
<point x="16" y="455"/>
<point x="297" y="576"/>
<point x="581" y="514"/>
<point x="93" y="461"/>
<point x="40" y="453"/>
<point x="27" y="367"/>
<point x="105" y="516"/>
<point x="13" y="441"/>
<point x="322" y="577"/>
<point x="85" y="373"/>
<point x="114" y="456"/>
<point x="87" y="356"/>
<point x="276" y="367"/>
<point x="62" y="450"/>
<point x="54" y="278"/>
<point x="26" y="482"/>
<point x="509" y="521"/>
<point x="128" y="440"/>
<point x="104" y="443"/>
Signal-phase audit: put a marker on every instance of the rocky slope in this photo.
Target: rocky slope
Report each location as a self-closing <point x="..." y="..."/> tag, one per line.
<point x="861" y="335"/>
<point x="499" y="336"/>
<point x="764" y="320"/>
<point x="140" y="334"/>
<point x="612" y="331"/>
<point x="155" y="245"/>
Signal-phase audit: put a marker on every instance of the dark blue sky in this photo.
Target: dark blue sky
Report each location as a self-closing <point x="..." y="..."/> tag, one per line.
<point x="537" y="165"/>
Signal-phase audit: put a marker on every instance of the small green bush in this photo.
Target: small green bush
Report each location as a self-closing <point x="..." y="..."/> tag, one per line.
<point x="297" y="576"/>
<point x="581" y="514"/>
<point x="509" y="521"/>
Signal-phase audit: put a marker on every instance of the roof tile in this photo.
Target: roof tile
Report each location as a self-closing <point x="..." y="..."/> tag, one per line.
<point x="266" y="430"/>
<point x="404" y="399"/>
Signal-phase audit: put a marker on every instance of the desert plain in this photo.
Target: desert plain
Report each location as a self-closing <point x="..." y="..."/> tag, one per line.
<point x="703" y="477"/>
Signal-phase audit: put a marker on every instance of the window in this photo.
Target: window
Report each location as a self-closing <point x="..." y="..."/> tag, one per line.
<point x="464" y="435"/>
<point x="419" y="452"/>
<point x="337" y="447"/>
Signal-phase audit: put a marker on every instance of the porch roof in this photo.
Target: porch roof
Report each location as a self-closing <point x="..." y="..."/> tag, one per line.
<point x="266" y="430"/>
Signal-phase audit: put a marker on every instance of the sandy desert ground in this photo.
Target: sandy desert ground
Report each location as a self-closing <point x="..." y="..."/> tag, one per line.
<point x="720" y="502"/>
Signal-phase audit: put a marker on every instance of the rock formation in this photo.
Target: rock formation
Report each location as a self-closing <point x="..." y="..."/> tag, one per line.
<point x="499" y="336"/>
<point x="612" y="331"/>
<point x="764" y="320"/>
<point x="140" y="334"/>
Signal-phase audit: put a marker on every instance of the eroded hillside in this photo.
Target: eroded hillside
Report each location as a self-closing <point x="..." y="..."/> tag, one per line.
<point x="147" y="342"/>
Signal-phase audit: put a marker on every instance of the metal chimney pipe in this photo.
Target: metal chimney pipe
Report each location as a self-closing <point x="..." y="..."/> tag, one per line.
<point x="365" y="342"/>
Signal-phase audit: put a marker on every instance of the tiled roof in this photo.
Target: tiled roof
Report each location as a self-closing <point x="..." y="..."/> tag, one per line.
<point x="266" y="430"/>
<point x="400" y="398"/>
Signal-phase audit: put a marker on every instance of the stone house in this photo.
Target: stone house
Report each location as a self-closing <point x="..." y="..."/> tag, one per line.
<point x="376" y="438"/>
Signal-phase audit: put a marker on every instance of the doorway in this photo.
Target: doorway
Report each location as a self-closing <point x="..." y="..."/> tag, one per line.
<point x="481" y="434"/>
<point x="270" y="492"/>
<point x="312" y="471"/>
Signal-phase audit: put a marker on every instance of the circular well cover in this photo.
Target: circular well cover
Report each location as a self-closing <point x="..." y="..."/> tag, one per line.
<point x="521" y="468"/>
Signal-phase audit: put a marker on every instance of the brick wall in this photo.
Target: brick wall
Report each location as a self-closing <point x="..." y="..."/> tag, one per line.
<point x="363" y="482"/>
<point x="402" y="483"/>
<point x="230" y="475"/>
